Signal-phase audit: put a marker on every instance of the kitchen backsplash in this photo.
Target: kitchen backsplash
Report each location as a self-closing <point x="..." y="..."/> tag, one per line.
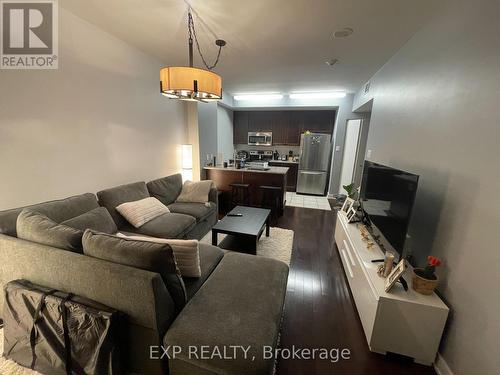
<point x="281" y="149"/>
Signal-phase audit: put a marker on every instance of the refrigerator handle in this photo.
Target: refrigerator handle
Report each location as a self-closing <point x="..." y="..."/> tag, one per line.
<point x="313" y="173"/>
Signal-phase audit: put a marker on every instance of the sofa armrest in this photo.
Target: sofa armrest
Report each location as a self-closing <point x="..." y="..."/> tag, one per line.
<point x="140" y="294"/>
<point x="213" y="197"/>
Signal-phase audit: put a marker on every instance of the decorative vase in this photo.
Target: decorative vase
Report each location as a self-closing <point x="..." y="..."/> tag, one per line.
<point x="423" y="285"/>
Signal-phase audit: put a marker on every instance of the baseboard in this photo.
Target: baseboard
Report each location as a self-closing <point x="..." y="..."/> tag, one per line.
<point x="441" y="366"/>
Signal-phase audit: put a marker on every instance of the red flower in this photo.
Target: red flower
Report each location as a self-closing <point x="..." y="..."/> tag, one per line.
<point x="433" y="261"/>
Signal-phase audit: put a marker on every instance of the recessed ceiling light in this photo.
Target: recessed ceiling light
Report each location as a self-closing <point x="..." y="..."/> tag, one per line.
<point x="318" y="95"/>
<point x="342" y="33"/>
<point x="254" y="97"/>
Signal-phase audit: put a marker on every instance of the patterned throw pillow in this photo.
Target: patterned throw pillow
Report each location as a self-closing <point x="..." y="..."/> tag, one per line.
<point x="142" y="211"/>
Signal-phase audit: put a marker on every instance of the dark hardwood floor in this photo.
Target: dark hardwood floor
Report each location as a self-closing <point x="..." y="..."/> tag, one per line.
<point x="319" y="310"/>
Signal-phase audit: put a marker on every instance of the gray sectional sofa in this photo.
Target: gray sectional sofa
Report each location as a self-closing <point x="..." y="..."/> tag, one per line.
<point x="238" y="300"/>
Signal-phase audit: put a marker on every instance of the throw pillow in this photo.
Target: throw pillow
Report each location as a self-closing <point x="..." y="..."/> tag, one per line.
<point x="36" y="227"/>
<point x="195" y="192"/>
<point x="142" y="211"/>
<point x="98" y="219"/>
<point x="186" y="253"/>
<point x="155" y="257"/>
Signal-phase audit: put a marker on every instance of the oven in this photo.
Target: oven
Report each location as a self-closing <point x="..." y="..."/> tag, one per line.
<point x="260" y="138"/>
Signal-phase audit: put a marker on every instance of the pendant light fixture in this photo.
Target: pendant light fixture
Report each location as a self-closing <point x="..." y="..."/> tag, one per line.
<point x="190" y="83"/>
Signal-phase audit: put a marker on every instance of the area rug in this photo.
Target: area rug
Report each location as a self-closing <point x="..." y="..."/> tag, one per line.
<point x="8" y="367"/>
<point x="278" y="245"/>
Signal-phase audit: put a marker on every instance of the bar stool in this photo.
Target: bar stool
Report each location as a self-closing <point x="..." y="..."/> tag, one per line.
<point x="272" y="199"/>
<point x="240" y="194"/>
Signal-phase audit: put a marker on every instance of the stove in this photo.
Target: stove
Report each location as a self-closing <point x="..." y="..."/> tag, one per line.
<point x="261" y="155"/>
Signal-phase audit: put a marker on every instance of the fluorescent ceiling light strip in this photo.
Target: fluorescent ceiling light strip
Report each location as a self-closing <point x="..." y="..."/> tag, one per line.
<point x="253" y="97"/>
<point x="317" y="95"/>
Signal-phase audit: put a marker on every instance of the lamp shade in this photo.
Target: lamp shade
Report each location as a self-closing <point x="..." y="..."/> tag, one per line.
<point x="188" y="83"/>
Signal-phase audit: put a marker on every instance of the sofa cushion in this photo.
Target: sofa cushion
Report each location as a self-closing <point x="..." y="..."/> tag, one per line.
<point x="146" y="255"/>
<point x="36" y="227"/>
<point x="113" y="197"/>
<point x="98" y="219"/>
<point x="167" y="226"/>
<point x="200" y="211"/>
<point x="248" y="292"/>
<point x="210" y="256"/>
<point x="166" y="189"/>
<point x="58" y="210"/>
<point x="142" y="211"/>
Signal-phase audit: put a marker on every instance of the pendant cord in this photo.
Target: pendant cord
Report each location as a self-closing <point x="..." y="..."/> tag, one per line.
<point x="192" y="33"/>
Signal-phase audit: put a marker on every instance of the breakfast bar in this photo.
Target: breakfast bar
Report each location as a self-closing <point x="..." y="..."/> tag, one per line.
<point x="271" y="176"/>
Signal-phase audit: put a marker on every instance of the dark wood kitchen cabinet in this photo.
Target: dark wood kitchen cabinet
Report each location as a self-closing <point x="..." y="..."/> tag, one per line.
<point x="260" y="121"/>
<point x="287" y="126"/>
<point x="279" y="120"/>
<point x="240" y="125"/>
<point x="293" y="130"/>
<point x="293" y="171"/>
<point x="317" y="121"/>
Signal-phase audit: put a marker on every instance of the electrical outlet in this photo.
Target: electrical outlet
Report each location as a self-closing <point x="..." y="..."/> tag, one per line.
<point x="368" y="154"/>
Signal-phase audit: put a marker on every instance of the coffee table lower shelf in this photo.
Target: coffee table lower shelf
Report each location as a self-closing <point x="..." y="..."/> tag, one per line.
<point x="243" y="233"/>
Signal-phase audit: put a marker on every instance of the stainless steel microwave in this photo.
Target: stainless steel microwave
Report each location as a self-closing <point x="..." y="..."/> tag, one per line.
<point x="260" y="139"/>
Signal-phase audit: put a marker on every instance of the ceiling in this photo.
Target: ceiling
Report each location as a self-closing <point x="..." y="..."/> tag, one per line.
<point x="272" y="45"/>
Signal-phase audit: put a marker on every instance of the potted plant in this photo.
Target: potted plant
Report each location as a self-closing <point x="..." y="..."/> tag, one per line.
<point x="424" y="279"/>
<point x="351" y="191"/>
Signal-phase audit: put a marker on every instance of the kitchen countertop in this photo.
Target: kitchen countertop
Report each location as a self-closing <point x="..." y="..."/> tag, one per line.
<point x="283" y="161"/>
<point x="272" y="170"/>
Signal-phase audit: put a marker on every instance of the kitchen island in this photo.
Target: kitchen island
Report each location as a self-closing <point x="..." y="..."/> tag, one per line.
<point x="223" y="177"/>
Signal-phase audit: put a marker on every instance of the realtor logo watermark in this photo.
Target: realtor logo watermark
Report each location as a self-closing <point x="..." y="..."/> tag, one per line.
<point x="29" y="34"/>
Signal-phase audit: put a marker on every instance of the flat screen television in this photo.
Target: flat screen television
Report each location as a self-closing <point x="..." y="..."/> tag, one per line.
<point x="387" y="197"/>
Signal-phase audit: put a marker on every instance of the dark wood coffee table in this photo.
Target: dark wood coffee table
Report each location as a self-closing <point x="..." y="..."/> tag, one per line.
<point x="249" y="226"/>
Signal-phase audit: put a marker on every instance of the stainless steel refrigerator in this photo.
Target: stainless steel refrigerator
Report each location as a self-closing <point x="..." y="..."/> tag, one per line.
<point x="315" y="152"/>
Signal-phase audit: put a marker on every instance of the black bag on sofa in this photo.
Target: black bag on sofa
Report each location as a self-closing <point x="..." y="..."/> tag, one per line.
<point x="55" y="333"/>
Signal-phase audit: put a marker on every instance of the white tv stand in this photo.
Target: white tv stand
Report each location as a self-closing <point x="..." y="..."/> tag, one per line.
<point x="402" y="322"/>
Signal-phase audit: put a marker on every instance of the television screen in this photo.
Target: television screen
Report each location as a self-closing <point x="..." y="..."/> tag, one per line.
<point x="387" y="197"/>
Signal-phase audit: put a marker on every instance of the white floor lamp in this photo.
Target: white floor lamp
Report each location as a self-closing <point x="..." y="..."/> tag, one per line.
<point x="187" y="162"/>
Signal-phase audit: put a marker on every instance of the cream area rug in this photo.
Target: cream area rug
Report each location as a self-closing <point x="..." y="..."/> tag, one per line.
<point x="278" y="245"/>
<point x="8" y="367"/>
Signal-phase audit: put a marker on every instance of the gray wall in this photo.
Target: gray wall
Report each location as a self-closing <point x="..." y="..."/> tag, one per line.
<point x="225" y="132"/>
<point x="97" y="121"/>
<point x="207" y="130"/>
<point x="215" y="129"/>
<point x="436" y="112"/>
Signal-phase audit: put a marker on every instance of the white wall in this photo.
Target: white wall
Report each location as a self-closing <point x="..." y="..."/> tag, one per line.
<point x="225" y="132"/>
<point x="436" y="112"/>
<point x="96" y="122"/>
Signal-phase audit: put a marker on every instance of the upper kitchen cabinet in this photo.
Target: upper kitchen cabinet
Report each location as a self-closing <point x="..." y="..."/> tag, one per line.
<point x="259" y="121"/>
<point x="280" y="122"/>
<point x="240" y="131"/>
<point x="287" y="126"/>
<point x="294" y="128"/>
<point x="317" y="121"/>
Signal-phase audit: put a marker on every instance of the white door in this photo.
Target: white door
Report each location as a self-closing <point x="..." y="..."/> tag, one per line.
<point x="349" y="157"/>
